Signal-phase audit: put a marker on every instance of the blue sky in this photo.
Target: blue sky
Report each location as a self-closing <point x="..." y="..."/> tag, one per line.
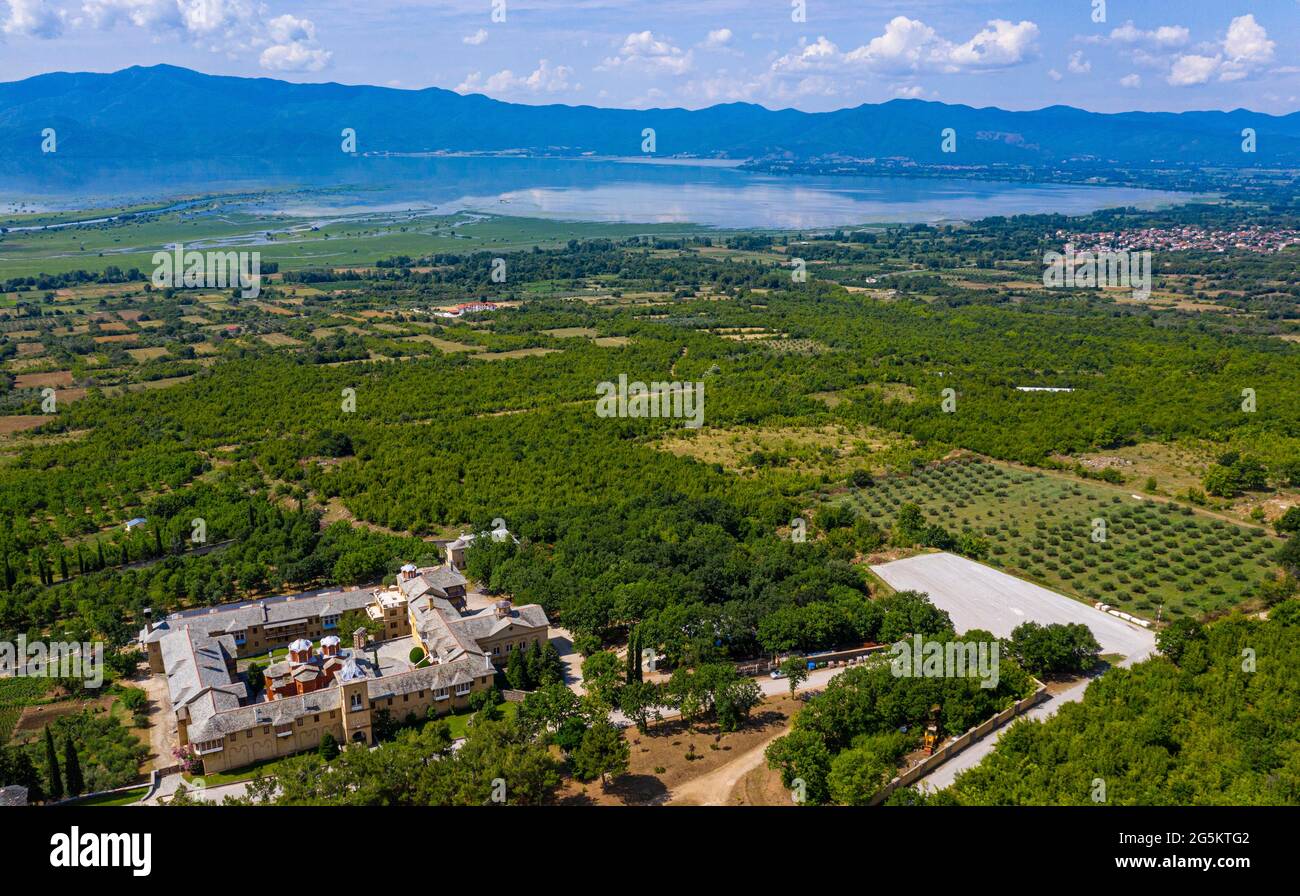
<point x="813" y="55"/>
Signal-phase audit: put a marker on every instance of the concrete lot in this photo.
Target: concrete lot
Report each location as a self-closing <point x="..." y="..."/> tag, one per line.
<point x="977" y="596"/>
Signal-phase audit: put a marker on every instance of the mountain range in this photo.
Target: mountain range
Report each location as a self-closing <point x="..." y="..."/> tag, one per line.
<point x="167" y="113"/>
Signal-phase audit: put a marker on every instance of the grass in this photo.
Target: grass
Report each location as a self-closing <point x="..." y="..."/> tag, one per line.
<point x="244" y="773"/>
<point x="459" y="721"/>
<point x="830" y="448"/>
<point x="1042" y="527"/>
<point x="124" y="798"/>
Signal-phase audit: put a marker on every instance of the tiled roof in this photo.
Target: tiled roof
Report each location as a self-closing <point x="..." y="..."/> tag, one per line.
<point x="196" y="663"/>
<point x="284" y="711"/>
<point x="272" y="612"/>
<point x="439" y="675"/>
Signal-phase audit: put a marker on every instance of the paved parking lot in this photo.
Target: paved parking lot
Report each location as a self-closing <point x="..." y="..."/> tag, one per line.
<point x="978" y="596"/>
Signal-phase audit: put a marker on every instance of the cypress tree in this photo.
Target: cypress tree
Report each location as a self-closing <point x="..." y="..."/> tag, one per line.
<point x="157" y="541"/>
<point x="638" y="655"/>
<point x="99" y="546"/>
<point x="72" y="769"/>
<point x="516" y="672"/>
<point x="63" y="566"/>
<point x="52" y="767"/>
<point x="534" y="665"/>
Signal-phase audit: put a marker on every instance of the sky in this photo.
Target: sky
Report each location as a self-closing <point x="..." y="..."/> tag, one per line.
<point x="815" y="55"/>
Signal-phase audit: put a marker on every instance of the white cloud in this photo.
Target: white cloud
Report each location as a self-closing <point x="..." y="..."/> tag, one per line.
<point x="284" y="42"/>
<point x="1000" y="44"/>
<point x="287" y="29"/>
<point x="1193" y="69"/>
<point x="718" y="39"/>
<point x="1247" y="41"/>
<point x="150" y="14"/>
<point x="642" y="51"/>
<point x="1078" y="65"/>
<point x="1244" y="50"/>
<point x="1054" y="74"/>
<point x="545" y="79"/>
<point x="1164" y="36"/>
<point x="908" y="45"/>
<point x="33" y="18"/>
<point x="478" y="37"/>
<point x="295" y="56"/>
<point x="1131" y="81"/>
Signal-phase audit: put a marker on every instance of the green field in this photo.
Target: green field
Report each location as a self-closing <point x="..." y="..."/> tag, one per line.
<point x="15" y="695"/>
<point x="293" y="243"/>
<point x="1041" y="527"/>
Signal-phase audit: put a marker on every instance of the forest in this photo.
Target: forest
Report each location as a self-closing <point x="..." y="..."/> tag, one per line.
<point x="613" y="531"/>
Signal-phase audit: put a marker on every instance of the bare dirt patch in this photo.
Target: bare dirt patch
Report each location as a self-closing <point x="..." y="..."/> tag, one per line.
<point x="22" y="422"/>
<point x="659" y="770"/>
<point x="57" y="379"/>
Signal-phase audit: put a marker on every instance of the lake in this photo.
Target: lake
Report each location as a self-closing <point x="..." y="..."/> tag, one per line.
<point x="603" y="190"/>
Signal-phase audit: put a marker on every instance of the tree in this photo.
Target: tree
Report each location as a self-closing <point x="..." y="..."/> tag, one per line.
<point x="603" y="753"/>
<point x="640" y="701"/>
<point x="857" y="775"/>
<point x="630" y="661"/>
<point x="601" y="675"/>
<point x="16" y="767"/>
<point x="1289" y="556"/>
<point x="735" y="701"/>
<point x="352" y="620"/>
<point x="517" y="670"/>
<point x="909" y="527"/>
<point x="1174" y="641"/>
<point x="804" y="763"/>
<point x="971" y="545"/>
<point x="55" y="790"/>
<point x="795" y="670"/>
<point x="911" y="613"/>
<point x="549" y="707"/>
<point x="329" y="747"/>
<point x="1054" y="649"/>
<point x="72" y="769"/>
<point x="550" y="667"/>
<point x="1289" y="522"/>
<point x="1220" y="481"/>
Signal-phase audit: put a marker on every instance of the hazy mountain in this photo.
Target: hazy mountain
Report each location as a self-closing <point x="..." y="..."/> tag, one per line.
<point x="164" y="112"/>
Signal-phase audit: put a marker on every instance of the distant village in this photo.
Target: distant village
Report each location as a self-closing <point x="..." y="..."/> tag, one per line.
<point x="1185" y="239"/>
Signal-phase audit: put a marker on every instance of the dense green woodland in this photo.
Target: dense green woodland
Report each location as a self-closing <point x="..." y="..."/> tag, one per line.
<point x="614" y="531"/>
<point x="621" y="539"/>
<point x="1221" y="726"/>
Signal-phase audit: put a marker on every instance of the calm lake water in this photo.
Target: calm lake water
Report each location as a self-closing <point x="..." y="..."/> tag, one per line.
<point x="576" y="190"/>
